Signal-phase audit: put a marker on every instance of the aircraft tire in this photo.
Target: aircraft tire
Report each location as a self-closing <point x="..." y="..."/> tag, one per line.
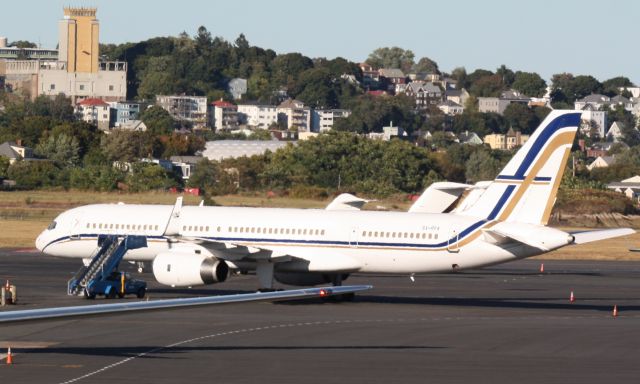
<point x="141" y="293"/>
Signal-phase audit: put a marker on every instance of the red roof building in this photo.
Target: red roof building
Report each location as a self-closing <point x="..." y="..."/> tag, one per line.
<point x="91" y="102"/>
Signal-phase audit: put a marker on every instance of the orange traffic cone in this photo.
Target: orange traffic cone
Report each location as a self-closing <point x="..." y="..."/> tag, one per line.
<point x="571" y="297"/>
<point x="615" y="311"/>
<point x="542" y="268"/>
<point x="9" y="357"/>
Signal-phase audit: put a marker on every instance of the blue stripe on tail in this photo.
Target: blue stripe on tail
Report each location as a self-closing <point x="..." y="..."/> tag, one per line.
<point x="503" y="199"/>
<point x="563" y="121"/>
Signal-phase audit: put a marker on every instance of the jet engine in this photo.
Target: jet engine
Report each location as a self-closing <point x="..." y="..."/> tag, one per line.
<point x="306" y="279"/>
<point x="181" y="269"/>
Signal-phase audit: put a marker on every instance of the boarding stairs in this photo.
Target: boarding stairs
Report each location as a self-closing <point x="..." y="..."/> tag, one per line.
<point x="111" y="250"/>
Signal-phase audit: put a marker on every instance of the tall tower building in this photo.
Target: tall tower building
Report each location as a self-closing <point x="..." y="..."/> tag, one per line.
<point x="77" y="72"/>
<point x="78" y="40"/>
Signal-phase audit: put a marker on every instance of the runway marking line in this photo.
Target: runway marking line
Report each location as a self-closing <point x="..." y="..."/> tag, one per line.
<point x="332" y="322"/>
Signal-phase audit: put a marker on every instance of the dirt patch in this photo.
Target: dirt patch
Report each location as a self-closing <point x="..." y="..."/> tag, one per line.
<point x="601" y="220"/>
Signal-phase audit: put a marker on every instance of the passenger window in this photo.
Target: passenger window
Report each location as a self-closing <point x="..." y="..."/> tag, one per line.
<point x="322" y="233"/>
<point x="435" y="236"/>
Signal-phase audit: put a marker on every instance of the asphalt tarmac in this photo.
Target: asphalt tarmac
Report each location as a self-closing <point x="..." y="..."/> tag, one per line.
<point x="504" y="324"/>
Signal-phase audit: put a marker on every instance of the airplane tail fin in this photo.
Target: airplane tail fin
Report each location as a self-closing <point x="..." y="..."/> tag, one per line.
<point x="525" y="190"/>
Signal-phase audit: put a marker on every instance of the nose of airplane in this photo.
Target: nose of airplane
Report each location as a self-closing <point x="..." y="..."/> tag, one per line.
<point x="40" y="243"/>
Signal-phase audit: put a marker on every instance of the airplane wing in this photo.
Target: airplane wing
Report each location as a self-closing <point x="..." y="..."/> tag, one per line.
<point x="582" y="237"/>
<point x="136" y="306"/>
<point x="438" y="197"/>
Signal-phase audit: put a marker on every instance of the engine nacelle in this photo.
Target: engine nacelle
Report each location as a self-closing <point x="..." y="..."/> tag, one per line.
<point x="181" y="269"/>
<point x="305" y="279"/>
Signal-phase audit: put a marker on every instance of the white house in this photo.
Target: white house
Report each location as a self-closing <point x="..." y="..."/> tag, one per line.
<point x="294" y="115"/>
<point x="257" y="116"/>
<point x="591" y="116"/>
<point x="225" y="115"/>
<point x="237" y="87"/>
<point x="601" y="162"/>
<point x="630" y="187"/>
<point x="615" y="132"/>
<point x="14" y="151"/>
<point x="192" y="109"/>
<point x="451" y="108"/>
<point x="470" y="138"/>
<point x="94" y="111"/>
<point x="322" y="120"/>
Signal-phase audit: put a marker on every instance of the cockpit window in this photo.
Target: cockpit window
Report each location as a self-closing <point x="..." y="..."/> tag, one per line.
<point x="52" y="225"/>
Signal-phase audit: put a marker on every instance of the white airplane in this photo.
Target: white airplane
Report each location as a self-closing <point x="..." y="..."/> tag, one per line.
<point x="497" y="222"/>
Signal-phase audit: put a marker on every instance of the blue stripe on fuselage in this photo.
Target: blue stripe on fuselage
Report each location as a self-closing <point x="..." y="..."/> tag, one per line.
<point x="464" y="233"/>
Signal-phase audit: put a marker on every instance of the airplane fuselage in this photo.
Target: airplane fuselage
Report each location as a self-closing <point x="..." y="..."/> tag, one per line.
<point x="374" y="242"/>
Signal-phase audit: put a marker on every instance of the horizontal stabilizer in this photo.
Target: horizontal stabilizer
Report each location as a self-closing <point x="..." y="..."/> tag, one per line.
<point x="497" y="237"/>
<point x="536" y="236"/>
<point x="108" y="309"/>
<point x="346" y="202"/>
<point x="600" y="234"/>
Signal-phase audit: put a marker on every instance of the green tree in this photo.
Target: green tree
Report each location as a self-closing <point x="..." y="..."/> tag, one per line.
<point x="127" y="146"/>
<point x="565" y="88"/>
<point x="157" y="120"/>
<point x="481" y="166"/>
<point x="23" y="44"/>
<point x="370" y="114"/>
<point x="460" y="75"/>
<point x="287" y="68"/>
<point x="34" y="174"/>
<point x="212" y="178"/>
<point x="62" y="149"/>
<point x="147" y="177"/>
<point x="529" y="83"/>
<point x="426" y="65"/>
<point x="506" y="75"/>
<point x="391" y="57"/>
<point x="102" y="178"/>
<point x="4" y="166"/>
<point x="487" y="86"/>
<point x="611" y="87"/>
<point x="521" y="118"/>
